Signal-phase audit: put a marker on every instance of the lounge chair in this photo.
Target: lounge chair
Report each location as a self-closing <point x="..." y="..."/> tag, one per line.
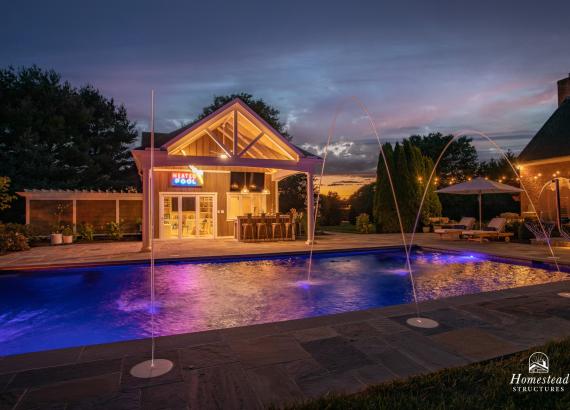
<point x="494" y="230"/>
<point x="466" y="223"/>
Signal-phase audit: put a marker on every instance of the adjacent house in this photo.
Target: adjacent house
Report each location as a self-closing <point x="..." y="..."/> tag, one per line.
<point x="545" y="164"/>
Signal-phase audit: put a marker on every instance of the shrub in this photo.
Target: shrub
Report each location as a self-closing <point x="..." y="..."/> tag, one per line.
<point x="114" y="230"/>
<point x="67" y="231"/>
<point x="86" y="231"/>
<point x="363" y="224"/>
<point x="524" y="234"/>
<point x="14" y="237"/>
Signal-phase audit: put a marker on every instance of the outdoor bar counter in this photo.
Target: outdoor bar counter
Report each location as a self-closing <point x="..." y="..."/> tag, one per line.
<point x="256" y="232"/>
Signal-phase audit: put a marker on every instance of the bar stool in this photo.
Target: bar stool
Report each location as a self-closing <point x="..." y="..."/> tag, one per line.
<point x="247" y="226"/>
<point x="290" y="229"/>
<point x="262" y="227"/>
<point x="277" y="226"/>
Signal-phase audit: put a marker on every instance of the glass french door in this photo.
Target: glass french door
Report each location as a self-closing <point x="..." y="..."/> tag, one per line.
<point x="187" y="216"/>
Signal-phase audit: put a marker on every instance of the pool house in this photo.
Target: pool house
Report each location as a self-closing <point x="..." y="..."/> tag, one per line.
<point x="210" y="174"/>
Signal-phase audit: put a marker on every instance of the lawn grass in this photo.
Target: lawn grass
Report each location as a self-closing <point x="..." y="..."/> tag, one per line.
<point x="344" y="228"/>
<point x="477" y="386"/>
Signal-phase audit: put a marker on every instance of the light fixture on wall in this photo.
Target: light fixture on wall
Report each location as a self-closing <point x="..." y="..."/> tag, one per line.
<point x="265" y="191"/>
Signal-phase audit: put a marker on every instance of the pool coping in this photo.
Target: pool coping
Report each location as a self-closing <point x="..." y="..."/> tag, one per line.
<point x="540" y="262"/>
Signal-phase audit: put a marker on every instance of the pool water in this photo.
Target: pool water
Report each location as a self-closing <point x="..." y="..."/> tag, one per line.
<point x="78" y="306"/>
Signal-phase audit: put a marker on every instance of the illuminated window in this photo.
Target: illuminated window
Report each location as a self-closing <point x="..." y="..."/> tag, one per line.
<point x="242" y="204"/>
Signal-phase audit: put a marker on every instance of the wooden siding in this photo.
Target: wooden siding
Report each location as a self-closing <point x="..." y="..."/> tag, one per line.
<point x="97" y="213"/>
<point x="43" y="215"/>
<point x="130" y="215"/>
<point x="216" y="182"/>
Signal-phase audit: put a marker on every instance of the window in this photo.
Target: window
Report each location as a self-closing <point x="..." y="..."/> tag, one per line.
<point x="242" y="204"/>
<point x="253" y="181"/>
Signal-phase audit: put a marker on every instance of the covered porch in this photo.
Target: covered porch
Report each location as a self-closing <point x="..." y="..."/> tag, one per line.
<point x="207" y="175"/>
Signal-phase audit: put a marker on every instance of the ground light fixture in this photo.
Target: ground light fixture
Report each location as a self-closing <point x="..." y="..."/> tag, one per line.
<point x="153" y="367"/>
<point x="422" y="322"/>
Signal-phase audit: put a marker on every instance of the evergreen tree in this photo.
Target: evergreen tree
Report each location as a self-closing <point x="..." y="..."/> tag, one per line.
<point x="384" y="207"/>
<point x="410" y="171"/>
<point x="53" y="135"/>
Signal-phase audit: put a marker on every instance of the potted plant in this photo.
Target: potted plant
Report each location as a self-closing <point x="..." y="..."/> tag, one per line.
<point x="56" y="237"/>
<point x="67" y="235"/>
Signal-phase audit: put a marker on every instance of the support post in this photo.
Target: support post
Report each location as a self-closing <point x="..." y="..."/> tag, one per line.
<point x="235" y="153"/>
<point x="558" y="215"/>
<point x="74" y="216"/>
<point x="146" y="211"/>
<point x="480" y="211"/>
<point x="310" y="209"/>
<point x="27" y="211"/>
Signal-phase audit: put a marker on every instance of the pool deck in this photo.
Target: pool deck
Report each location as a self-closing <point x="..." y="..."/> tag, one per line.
<point x="123" y="252"/>
<point x="280" y="363"/>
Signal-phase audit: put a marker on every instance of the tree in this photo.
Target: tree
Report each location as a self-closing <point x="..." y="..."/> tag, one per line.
<point x="293" y="193"/>
<point x="384" y="206"/>
<point x="330" y="212"/>
<point x="409" y="170"/>
<point x="500" y="170"/>
<point x="53" y="135"/>
<point x="5" y="196"/>
<point x="459" y="161"/>
<point x="264" y="110"/>
<point x="362" y="202"/>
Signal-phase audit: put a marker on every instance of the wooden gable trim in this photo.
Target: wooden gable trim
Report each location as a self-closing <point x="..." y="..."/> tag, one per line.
<point x="237" y="106"/>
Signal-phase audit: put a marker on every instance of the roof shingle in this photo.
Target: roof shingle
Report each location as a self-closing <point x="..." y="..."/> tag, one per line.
<point x="553" y="139"/>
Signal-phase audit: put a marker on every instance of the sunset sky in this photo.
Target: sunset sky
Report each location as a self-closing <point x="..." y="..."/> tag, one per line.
<point x="486" y="65"/>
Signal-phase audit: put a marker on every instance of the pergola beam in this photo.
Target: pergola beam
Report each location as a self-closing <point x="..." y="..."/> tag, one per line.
<point x="221" y="145"/>
<point x="251" y="144"/>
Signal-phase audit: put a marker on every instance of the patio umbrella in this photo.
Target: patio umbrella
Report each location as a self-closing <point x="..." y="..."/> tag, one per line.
<point x="479" y="186"/>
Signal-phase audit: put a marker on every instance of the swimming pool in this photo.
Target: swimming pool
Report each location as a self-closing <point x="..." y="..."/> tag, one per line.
<point x="77" y="306"/>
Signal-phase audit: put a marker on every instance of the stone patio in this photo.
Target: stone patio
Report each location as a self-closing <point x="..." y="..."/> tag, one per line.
<point x="122" y="252"/>
<point x="279" y="363"/>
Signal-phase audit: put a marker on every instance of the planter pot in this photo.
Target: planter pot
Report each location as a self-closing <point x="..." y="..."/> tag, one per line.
<point x="426" y="229"/>
<point x="56" y="238"/>
<point x="67" y="239"/>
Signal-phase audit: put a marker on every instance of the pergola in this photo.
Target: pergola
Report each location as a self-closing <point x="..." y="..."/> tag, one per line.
<point x="232" y="137"/>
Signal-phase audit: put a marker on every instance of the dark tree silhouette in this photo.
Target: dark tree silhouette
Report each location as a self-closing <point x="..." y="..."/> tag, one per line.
<point x="53" y="135"/>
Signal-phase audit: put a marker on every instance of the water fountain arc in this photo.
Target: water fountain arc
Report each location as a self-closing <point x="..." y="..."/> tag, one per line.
<point x="417" y="321"/>
<point x="513" y="167"/>
<point x="153" y="367"/>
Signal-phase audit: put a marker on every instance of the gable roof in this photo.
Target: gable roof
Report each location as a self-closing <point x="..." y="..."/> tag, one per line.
<point x="553" y="139"/>
<point x="165" y="141"/>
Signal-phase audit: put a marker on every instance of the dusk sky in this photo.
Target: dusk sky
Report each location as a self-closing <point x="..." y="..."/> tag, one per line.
<point x="485" y="65"/>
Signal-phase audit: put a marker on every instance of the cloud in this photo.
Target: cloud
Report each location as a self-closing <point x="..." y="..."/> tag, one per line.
<point x="417" y="67"/>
